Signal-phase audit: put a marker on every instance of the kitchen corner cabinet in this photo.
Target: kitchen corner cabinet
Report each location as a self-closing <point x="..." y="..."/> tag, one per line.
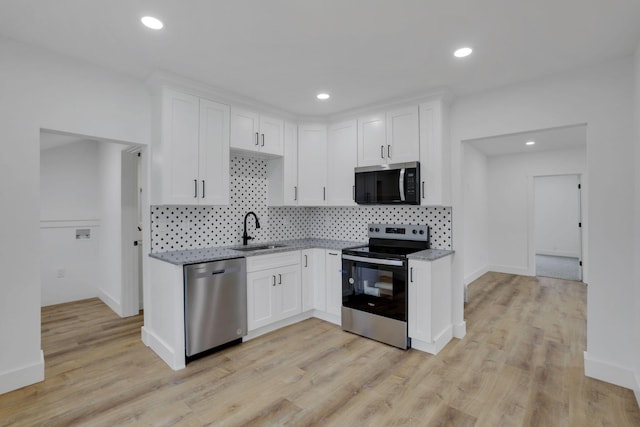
<point x="391" y="137"/>
<point x="312" y="165"/>
<point x="273" y="288"/>
<point x="191" y="161"/>
<point x="282" y="172"/>
<point x="256" y="133"/>
<point x="435" y="158"/>
<point x="312" y="264"/>
<point x="430" y="322"/>
<point x="342" y="158"/>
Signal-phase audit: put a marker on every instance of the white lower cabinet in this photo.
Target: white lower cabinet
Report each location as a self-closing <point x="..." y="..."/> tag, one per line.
<point x="313" y="287"/>
<point x="430" y="324"/>
<point x="333" y="280"/>
<point x="273" y="288"/>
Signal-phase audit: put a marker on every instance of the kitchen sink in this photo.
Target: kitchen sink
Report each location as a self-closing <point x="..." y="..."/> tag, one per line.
<point x="258" y="248"/>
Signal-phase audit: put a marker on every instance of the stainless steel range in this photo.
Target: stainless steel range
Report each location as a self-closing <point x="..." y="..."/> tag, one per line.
<point x="374" y="282"/>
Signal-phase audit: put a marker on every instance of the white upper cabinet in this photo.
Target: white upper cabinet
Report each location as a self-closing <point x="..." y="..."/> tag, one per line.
<point x="257" y="133"/>
<point x="391" y="137"/>
<point x="435" y="161"/>
<point x="282" y="172"/>
<point x="342" y="158"/>
<point x="312" y="164"/>
<point x="191" y="161"/>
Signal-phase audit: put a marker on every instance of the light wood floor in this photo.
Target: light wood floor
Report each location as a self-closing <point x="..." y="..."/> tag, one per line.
<point x="521" y="363"/>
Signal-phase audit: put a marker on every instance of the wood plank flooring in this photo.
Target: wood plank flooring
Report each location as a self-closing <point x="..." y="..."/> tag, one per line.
<point x="521" y="363"/>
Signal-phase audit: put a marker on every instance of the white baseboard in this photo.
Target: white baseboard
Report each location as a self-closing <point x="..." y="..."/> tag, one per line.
<point x="475" y="275"/>
<point x="460" y="330"/>
<point x="559" y="253"/>
<point x="636" y="389"/>
<point x="610" y="373"/>
<point x="111" y="302"/>
<point x="510" y="270"/>
<point x="277" y="325"/>
<point x="22" y="376"/>
<point x="331" y="318"/>
<point x="169" y="355"/>
<point x="436" y="345"/>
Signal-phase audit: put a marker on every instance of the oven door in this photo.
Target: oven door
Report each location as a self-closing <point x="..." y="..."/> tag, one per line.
<point x="373" y="285"/>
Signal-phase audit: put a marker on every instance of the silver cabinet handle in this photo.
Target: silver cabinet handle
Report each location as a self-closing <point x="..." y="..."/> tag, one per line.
<point x="353" y="190"/>
<point x="324" y="193"/>
<point x="306" y="264"/>
<point x="331" y="253"/>
<point x="257" y="138"/>
<point x="274" y="280"/>
<point x="195" y="188"/>
<point x="203" y="189"/>
<point x="295" y="193"/>
<point x="279" y="279"/>
<point x="411" y="274"/>
<point x="382" y="151"/>
<point x="423" y="189"/>
<point x="389" y="151"/>
<point x="262" y="140"/>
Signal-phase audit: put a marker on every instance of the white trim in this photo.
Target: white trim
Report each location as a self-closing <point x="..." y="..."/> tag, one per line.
<point x="327" y="317"/>
<point x="460" y="330"/>
<point x="475" y="275"/>
<point x="162" y="349"/>
<point x="520" y="271"/>
<point x="610" y="372"/>
<point x="22" y="376"/>
<point x="110" y="301"/>
<point x="436" y="345"/>
<point x="69" y="223"/>
<point x="277" y="325"/>
<point x="559" y="253"/>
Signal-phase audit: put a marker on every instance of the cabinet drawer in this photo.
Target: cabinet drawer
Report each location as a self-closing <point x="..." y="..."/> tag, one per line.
<point x="281" y="259"/>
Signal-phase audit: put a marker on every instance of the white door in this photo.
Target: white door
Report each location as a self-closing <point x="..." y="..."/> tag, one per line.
<point x="334" y="282"/>
<point x="403" y="135"/>
<point x="290" y="164"/>
<point x="271" y="135"/>
<point x="245" y="127"/>
<point x="372" y="140"/>
<point x="261" y="298"/>
<point x="214" y="153"/>
<point x="313" y="280"/>
<point x="290" y="291"/>
<point x="312" y="165"/>
<point x="419" y="294"/>
<point x="181" y="135"/>
<point x="342" y="158"/>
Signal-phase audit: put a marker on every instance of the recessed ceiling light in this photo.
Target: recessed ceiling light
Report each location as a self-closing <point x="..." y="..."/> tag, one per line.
<point x="530" y="143"/>
<point x="323" y="96"/>
<point x="151" y="22"/>
<point x="462" y="52"/>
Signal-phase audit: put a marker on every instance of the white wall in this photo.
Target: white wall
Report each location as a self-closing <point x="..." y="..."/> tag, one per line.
<point x="602" y="98"/>
<point x="43" y="90"/>
<point x="637" y="225"/>
<point x="557" y="215"/>
<point x="476" y="214"/>
<point x="511" y="204"/>
<point x="69" y="192"/>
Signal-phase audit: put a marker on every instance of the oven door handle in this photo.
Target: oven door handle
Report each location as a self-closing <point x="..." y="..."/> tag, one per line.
<point x="376" y="261"/>
<point x="401" y="185"/>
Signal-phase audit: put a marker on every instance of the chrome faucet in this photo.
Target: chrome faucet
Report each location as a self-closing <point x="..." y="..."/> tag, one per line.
<point x="245" y="237"/>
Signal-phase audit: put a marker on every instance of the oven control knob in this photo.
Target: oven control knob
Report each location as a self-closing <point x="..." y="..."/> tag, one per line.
<point x="421" y="231"/>
<point x="377" y="230"/>
<point x="371" y="229"/>
<point x="415" y="231"/>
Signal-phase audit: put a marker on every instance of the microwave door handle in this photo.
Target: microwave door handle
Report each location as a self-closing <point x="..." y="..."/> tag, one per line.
<point x="401" y="185"/>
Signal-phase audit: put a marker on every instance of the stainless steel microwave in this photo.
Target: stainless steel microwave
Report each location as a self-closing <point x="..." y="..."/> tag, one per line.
<point x="397" y="184"/>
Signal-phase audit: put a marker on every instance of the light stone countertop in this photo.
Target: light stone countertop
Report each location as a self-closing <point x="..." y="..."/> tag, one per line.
<point x="196" y="256"/>
<point x="430" y="254"/>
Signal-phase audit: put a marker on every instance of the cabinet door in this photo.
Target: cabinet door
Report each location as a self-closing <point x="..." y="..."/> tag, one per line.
<point x="312" y="165"/>
<point x="372" y="140"/>
<point x="180" y="133"/>
<point x="434" y="155"/>
<point x="271" y="135"/>
<point x="342" y="158"/>
<point x="403" y="135"/>
<point x="420" y="300"/>
<point x="290" y="164"/>
<point x="313" y="280"/>
<point x="261" y="298"/>
<point x="334" y="282"/>
<point x="290" y="291"/>
<point x="214" y="153"/>
<point x="245" y="127"/>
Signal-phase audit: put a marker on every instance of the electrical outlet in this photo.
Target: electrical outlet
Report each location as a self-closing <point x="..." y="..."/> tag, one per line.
<point x="60" y="273"/>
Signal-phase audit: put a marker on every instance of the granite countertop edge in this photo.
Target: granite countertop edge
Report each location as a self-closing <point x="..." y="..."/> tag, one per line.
<point x="196" y="256"/>
<point x="430" y="254"/>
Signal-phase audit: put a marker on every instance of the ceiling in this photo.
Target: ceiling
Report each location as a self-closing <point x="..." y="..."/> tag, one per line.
<point x="282" y="52"/>
<point x="562" y="138"/>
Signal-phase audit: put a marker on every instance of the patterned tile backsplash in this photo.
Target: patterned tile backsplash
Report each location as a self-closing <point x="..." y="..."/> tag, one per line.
<point x="191" y="227"/>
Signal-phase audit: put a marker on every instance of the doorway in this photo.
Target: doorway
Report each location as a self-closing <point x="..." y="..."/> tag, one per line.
<point x="90" y="214"/>
<point x="558" y="226"/>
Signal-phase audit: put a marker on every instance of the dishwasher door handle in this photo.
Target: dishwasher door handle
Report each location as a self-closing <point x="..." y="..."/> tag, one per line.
<point x="218" y="272"/>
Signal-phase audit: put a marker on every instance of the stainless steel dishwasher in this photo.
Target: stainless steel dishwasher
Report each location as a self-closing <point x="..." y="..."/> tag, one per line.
<point x="215" y="304"/>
